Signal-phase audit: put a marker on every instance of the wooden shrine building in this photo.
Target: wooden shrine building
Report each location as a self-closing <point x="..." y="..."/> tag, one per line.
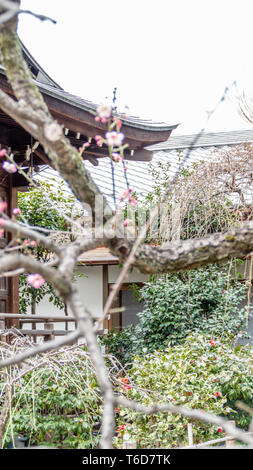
<point x="77" y="117"/>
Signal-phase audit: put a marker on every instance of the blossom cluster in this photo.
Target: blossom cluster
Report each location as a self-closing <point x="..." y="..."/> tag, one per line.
<point x="3" y="206"/>
<point x="35" y="280"/>
<point x="126" y="385"/>
<point x="6" y="165"/>
<point x="126" y="195"/>
<point x="9" y="167"/>
<point x="32" y="244"/>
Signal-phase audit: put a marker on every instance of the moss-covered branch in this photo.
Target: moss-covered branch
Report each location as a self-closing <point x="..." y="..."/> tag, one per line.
<point x="188" y="254"/>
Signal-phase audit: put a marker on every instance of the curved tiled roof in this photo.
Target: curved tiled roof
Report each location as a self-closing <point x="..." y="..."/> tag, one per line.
<point x="50" y="88"/>
<point x="205" y="139"/>
<point x="86" y="105"/>
<point x="171" y="152"/>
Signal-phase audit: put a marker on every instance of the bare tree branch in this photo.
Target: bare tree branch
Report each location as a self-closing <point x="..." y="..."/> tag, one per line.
<point x="14" y="10"/>
<point x="188" y="254"/>
<point x="189" y="413"/>
<point x="42" y="348"/>
<point x="12" y="262"/>
<point x="22" y="231"/>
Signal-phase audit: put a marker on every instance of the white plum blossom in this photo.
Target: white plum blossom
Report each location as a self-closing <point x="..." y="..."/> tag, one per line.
<point x="104" y="111"/>
<point x="9" y="167"/>
<point x="114" y="139"/>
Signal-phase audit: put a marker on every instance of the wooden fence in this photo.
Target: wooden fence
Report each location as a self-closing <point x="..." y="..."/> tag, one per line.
<point x="48" y="331"/>
<point x="228" y="440"/>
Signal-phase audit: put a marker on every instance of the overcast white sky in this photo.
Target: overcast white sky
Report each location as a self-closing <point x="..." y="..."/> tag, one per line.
<point x="169" y="59"/>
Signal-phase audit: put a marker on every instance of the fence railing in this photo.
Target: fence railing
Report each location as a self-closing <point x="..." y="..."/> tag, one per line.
<point x="229" y="441"/>
<point x="48" y="332"/>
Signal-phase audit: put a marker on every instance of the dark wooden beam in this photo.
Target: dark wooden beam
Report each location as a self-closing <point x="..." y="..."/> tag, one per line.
<point x="14" y="280"/>
<point x="80" y="120"/>
<point x="105" y="292"/>
<point x="19" y="180"/>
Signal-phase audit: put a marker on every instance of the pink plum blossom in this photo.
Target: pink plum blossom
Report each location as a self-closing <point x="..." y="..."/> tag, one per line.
<point x="99" y="140"/>
<point x="84" y="146"/>
<point x="33" y="244"/>
<point x="3" y="152"/>
<point x="9" y="167"/>
<point x="117" y="157"/>
<point x="16" y="211"/>
<point x="2" y="222"/>
<point x="3" y="206"/>
<point x="35" y="280"/>
<point x="133" y="201"/>
<point x="114" y="139"/>
<point x="126" y="223"/>
<point x="118" y="122"/>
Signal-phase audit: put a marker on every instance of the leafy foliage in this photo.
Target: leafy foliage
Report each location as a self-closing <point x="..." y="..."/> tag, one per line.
<point x="197" y="374"/>
<point x="58" y="404"/>
<point x="57" y="401"/>
<point x="38" y="212"/>
<point x="123" y="344"/>
<point x="205" y="300"/>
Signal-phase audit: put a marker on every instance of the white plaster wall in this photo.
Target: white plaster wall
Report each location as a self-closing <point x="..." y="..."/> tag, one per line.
<point x="134" y="275"/>
<point x="91" y="292"/>
<point x="90" y="287"/>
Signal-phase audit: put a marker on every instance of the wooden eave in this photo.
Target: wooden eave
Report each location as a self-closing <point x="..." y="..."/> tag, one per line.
<point x="76" y="115"/>
<point x="98" y="257"/>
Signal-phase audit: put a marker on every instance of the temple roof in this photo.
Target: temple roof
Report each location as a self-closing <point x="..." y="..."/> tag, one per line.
<point x="138" y="175"/>
<point x="76" y="115"/>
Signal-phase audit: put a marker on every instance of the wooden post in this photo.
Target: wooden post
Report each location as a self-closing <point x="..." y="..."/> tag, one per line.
<point x="14" y="280"/>
<point x="49" y="326"/>
<point x="2" y="327"/>
<point x="190" y="434"/>
<point x="105" y="292"/>
<point x="232" y="442"/>
<point x="33" y="312"/>
<point x="129" y="444"/>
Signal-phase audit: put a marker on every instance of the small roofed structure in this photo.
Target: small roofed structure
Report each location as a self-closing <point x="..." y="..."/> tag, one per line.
<point x="98" y="256"/>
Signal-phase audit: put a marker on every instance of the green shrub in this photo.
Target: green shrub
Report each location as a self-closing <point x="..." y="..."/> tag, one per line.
<point x="205" y="300"/>
<point x="201" y="300"/>
<point x="121" y="344"/>
<point x="196" y="374"/>
<point x="58" y="403"/>
<point x="45" y="206"/>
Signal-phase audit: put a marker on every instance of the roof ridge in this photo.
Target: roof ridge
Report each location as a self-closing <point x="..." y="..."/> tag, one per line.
<point x="206" y="139"/>
<point x="34" y="62"/>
